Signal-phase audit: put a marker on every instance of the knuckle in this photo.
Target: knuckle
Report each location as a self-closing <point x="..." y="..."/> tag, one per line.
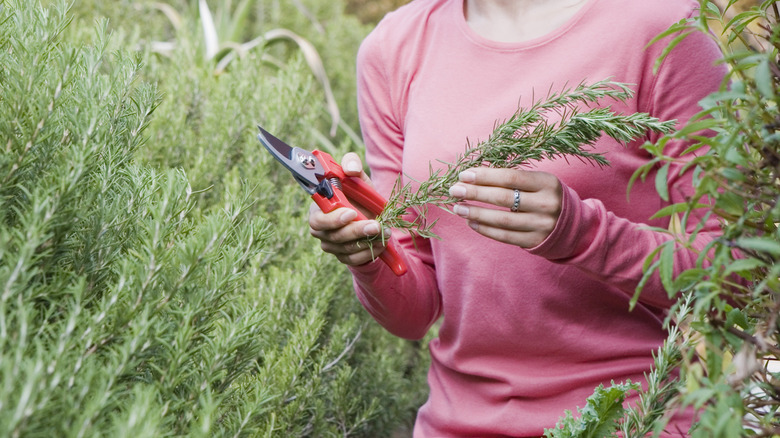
<point x="472" y="192"/>
<point x="516" y="177"/>
<point x="474" y="213"/>
<point x="546" y="206"/>
<point x="505" y="221"/>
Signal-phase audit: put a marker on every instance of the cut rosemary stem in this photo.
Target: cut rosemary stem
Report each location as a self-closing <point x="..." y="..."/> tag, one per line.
<point x="528" y="135"/>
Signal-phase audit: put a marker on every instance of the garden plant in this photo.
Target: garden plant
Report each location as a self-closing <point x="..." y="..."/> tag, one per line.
<point x="723" y="353"/>
<point x="155" y="280"/>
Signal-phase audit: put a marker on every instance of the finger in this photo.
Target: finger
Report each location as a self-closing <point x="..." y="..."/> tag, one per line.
<point x="541" y="191"/>
<point x="542" y="224"/>
<point x="353" y="166"/>
<point x="499" y="196"/>
<point x="347" y="239"/>
<point x="336" y="219"/>
<point x="525" y="180"/>
<point x="340" y="222"/>
<point x="522" y="229"/>
<point x="545" y="202"/>
<point x="358" y="249"/>
<point x="505" y="220"/>
<point x="361" y="258"/>
<point x="357" y="230"/>
<point x="356" y="252"/>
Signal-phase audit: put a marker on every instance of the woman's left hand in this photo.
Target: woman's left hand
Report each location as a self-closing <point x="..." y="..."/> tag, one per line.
<point x="524" y="205"/>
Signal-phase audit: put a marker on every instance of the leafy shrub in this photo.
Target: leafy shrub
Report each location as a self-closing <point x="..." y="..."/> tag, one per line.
<point x="727" y="332"/>
<point x="730" y="363"/>
<point x="335" y="35"/>
<point x="136" y="300"/>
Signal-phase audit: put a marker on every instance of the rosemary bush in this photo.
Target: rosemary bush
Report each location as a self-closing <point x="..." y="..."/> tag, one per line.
<point x="152" y="276"/>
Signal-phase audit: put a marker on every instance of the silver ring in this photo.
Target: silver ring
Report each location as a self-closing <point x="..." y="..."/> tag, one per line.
<point x="516" y="204"/>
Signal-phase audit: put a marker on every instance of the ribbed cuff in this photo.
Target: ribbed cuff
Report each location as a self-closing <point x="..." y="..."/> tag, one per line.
<point x="565" y="239"/>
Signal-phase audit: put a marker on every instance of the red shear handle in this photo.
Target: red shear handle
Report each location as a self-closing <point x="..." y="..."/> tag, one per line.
<point x="390" y="256"/>
<point x="365" y="195"/>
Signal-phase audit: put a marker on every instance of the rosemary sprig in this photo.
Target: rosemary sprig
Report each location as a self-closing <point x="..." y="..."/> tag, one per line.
<point x="528" y="135"/>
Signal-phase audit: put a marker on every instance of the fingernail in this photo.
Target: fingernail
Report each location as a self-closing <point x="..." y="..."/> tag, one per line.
<point x="467" y="176"/>
<point x="348" y="216"/>
<point x="474" y="226"/>
<point x="352" y="167"/>
<point x="371" y="229"/>
<point x="457" y="191"/>
<point x="461" y="210"/>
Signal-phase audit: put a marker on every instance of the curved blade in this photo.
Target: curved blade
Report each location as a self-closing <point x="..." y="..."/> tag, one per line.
<point x="306" y="169"/>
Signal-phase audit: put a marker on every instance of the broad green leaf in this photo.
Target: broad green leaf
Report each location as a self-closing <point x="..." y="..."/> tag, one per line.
<point x="662" y="182"/>
<point x="713" y="8"/>
<point x="765" y="245"/>
<point x="736" y="155"/>
<point x="730" y="4"/>
<point x="731" y="203"/>
<point x="741" y="20"/>
<point x="676" y="208"/>
<point x="673" y="29"/>
<point x="599" y="417"/>
<point x="765" y="79"/>
<point x="640" y="173"/>
<point x="688" y="279"/>
<point x="732" y="174"/>
<point x="736" y="317"/>
<point x="666" y="266"/>
<point x="668" y="49"/>
<point x="701" y="142"/>
<point x="697" y="176"/>
<point x="648" y="271"/>
<point x="744" y="265"/>
<point x="693" y="127"/>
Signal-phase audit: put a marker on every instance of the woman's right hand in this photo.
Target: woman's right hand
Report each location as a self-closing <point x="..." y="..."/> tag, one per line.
<point x="337" y="231"/>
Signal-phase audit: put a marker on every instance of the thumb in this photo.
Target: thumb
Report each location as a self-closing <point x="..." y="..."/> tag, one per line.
<point x="353" y="166"/>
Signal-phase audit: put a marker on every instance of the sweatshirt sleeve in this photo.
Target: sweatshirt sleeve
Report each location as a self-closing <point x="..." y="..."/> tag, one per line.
<point x="613" y="249"/>
<point x="406" y="306"/>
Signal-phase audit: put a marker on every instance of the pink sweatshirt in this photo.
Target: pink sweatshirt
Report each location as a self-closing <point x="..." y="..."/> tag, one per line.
<point x="525" y="334"/>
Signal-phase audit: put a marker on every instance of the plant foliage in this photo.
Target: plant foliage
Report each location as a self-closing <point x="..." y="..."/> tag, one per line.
<point x="152" y="276"/>
<point x="736" y="290"/>
<point x="727" y="328"/>
<point x="599" y="417"/>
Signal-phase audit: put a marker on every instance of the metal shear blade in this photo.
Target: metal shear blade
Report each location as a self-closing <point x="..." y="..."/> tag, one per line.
<point x="304" y="166"/>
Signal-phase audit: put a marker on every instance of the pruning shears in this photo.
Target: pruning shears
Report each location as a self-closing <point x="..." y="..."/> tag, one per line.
<point x="324" y="179"/>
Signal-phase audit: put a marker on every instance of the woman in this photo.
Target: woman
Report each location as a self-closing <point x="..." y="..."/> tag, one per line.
<point x="535" y="298"/>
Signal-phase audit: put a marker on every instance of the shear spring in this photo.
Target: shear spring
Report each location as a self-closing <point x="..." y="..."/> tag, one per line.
<point x="335" y="182"/>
